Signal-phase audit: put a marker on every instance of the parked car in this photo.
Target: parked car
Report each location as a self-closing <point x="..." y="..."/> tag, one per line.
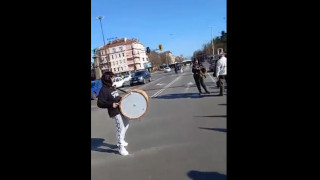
<point x="118" y="82"/>
<point x="127" y="78"/>
<point x="95" y="88"/>
<point x="167" y="69"/>
<point x="212" y="67"/>
<point x="140" y="77"/>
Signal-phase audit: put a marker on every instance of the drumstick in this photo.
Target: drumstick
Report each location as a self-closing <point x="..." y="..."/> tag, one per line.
<point x="122" y="90"/>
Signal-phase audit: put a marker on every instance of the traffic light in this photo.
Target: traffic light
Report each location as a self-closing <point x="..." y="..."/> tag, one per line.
<point x="160" y="47"/>
<point x="148" y="50"/>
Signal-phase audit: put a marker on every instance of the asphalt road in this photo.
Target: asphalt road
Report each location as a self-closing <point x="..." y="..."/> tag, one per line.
<point x="182" y="135"/>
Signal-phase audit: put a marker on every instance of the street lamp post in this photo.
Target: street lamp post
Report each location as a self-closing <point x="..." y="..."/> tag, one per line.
<point x="212" y="42"/>
<point x="104" y="43"/>
<point x="100" y="18"/>
<point x="134" y="62"/>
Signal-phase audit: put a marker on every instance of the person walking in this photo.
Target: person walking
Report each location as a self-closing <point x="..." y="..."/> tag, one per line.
<point x="221" y="72"/>
<point x="198" y="77"/>
<point x="109" y="98"/>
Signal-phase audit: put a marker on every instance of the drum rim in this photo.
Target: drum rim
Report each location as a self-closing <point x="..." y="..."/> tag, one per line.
<point x="135" y="90"/>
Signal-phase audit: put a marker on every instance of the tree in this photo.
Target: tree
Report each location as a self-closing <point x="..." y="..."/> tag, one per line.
<point x="218" y="42"/>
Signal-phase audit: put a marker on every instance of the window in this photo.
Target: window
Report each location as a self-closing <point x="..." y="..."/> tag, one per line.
<point x="114" y="69"/>
<point x="118" y="69"/>
<point x="117" y="62"/>
<point x="113" y="63"/>
<point x="122" y="54"/>
<point x="112" y="56"/>
<point x="121" y="48"/>
<point x="113" y="50"/>
<point x="119" y="55"/>
<point x="120" y="61"/>
<point x="143" y="59"/>
<point x="121" y="68"/>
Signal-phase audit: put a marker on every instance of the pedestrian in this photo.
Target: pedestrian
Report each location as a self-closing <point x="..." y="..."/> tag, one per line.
<point x="221" y="72"/>
<point x="109" y="97"/>
<point x="198" y="77"/>
<point x="176" y="68"/>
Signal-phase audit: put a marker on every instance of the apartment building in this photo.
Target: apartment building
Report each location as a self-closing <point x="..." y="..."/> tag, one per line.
<point x="170" y="58"/>
<point x="122" y="56"/>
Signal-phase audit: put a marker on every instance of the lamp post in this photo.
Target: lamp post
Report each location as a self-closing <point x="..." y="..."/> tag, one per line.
<point x="212" y="42"/>
<point x="134" y="62"/>
<point x="104" y="43"/>
<point x="100" y="18"/>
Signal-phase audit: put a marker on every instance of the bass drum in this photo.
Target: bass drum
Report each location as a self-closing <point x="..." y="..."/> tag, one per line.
<point x="134" y="104"/>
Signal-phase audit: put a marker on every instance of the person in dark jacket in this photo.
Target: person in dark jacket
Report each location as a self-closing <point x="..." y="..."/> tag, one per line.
<point x="198" y="78"/>
<point x="110" y="98"/>
<point x="176" y="68"/>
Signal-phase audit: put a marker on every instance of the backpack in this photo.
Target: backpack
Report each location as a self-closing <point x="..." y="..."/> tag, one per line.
<point x="101" y="103"/>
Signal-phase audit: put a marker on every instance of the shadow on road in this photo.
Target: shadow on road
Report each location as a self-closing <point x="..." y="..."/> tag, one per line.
<point x="185" y="95"/>
<point x="213" y="116"/>
<point x="97" y="144"/>
<point x="215" y="129"/>
<point x="198" y="175"/>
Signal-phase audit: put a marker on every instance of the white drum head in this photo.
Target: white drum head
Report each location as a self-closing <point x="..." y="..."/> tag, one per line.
<point x="133" y="105"/>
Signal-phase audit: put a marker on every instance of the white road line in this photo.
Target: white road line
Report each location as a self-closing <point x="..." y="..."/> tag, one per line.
<point x="150" y="83"/>
<point x="168" y="85"/>
<point x="212" y="78"/>
<point x="188" y="86"/>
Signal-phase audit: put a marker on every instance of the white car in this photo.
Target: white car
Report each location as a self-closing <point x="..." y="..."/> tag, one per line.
<point x="127" y="78"/>
<point x="167" y="69"/>
<point x="118" y="82"/>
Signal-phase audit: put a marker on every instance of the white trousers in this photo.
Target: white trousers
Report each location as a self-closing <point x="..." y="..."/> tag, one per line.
<point x="122" y="125"/>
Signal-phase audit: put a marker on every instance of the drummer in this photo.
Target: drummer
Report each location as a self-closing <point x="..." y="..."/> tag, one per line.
<point x="110" y="95"/>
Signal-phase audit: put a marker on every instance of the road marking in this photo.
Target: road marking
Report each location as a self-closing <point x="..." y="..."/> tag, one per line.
<point x="159" y="84"/>
<point x="147" y="84"/>
<point x="168" y="85"/>
<point x="212" y="78"/>
<point x="150" y="82"/>
<point x="188" y="86"/>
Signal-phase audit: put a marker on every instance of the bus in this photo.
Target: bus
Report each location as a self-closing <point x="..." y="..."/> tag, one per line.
<point x="187" y="62"/>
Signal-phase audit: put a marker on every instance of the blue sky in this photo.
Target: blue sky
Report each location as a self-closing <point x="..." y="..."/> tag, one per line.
<point x="181" y="26"/>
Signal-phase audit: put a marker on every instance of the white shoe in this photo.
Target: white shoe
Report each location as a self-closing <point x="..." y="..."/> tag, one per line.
<point x="124" y="143"/>
<point x="123" y="151"/>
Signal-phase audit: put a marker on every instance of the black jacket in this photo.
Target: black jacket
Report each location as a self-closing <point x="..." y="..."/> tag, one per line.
<point x="107" y="96"/>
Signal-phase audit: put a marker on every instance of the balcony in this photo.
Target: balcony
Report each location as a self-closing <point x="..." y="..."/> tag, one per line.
<point x="129" y="62"/>
<point x="103" y="62"/>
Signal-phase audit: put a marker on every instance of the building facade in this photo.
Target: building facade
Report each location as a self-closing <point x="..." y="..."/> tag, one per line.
<point x="122" y="56"/>
<point x="170" y="58"/>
